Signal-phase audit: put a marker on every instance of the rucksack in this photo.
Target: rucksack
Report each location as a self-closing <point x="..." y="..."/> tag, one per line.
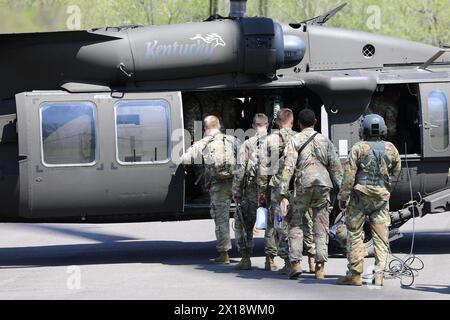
<point x="257" y="169"/>
<point x="219" y="157"/>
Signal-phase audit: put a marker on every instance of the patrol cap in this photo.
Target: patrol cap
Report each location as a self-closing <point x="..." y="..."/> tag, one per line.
<point x="373" y="126"/>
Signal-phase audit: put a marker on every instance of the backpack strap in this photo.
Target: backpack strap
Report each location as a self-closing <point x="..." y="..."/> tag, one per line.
<point x="304" y="146"/>
<point x="307" y="143"/>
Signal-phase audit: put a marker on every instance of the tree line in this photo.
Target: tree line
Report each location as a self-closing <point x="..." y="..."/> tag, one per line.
<point x="425" y="21"/>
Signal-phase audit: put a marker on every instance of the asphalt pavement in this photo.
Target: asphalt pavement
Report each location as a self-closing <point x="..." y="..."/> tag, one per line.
<point x="170" y="260"/>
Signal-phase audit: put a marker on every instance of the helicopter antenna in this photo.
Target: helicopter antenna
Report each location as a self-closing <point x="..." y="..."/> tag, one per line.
<point x="320" y="20"/>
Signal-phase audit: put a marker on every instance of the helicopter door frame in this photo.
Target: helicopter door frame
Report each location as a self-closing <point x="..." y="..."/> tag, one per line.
<point x="435" y="112"/>
<point x="101" y="181"/>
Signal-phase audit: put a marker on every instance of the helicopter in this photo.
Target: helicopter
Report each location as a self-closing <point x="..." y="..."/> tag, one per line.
<point x="87" y="116"/>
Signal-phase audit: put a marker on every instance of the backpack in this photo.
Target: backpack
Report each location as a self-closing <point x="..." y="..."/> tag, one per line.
<point x="375" y="167"/>
<point x="257" y="167"/>
<point x="219" y="157"/>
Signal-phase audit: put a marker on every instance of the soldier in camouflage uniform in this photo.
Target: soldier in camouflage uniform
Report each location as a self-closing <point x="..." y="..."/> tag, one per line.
<point x="250" y="187"/>
<point x="217" y="151"/>
<point x="197" y="106"/>
<point x="276" y="238"/>
<point x="311" y="158"/>
<point x="385" y="104"/>
<point x="366" y="189"/>
<point x="277" y="233"/>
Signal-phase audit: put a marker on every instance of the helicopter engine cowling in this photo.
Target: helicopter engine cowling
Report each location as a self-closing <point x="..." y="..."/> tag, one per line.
<point x="118" y="55"/>
<point x="247" y="45"/>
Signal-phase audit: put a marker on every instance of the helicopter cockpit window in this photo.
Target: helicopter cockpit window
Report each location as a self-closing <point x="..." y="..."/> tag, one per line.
<point x="68" y="132"/>
<point x="142" y="131"/>
<point x="438" y="117"/>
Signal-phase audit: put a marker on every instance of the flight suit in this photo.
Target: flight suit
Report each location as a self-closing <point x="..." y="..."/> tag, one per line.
<point x="219" y="188"/>
<point x="366" y="185"/>
<point x="314" y="171"/>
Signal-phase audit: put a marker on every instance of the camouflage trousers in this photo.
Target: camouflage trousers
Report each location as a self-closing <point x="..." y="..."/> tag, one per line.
<point x="220" y="194"/>
<point x="276" y="235"/>
<point x="359" y="207"/>
<point x="317" y="199"/>
<point x="244" y="229"/>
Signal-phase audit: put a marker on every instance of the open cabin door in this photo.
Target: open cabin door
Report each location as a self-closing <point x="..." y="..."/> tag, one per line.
<point x="97" y="154"/>
<point x="435" y="119"/>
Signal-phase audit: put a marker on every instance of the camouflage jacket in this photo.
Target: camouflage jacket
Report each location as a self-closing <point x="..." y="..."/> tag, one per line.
<point x="277" y="142"/>
<point x="318" y="164"/>
<point x="252" y="169"/>
<point x="200" y="153"/>
<point x="360" y="151"/>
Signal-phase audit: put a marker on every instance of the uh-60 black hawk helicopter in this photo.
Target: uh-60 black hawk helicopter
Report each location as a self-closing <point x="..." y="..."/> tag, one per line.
<point x="87" y="116"/>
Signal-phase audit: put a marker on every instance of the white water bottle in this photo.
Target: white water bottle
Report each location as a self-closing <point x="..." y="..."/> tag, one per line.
<point x="261" y="218"/>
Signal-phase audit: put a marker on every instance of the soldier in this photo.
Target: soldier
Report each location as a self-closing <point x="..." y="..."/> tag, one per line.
<point x="250" y="187"/>
<point x="386" y="105"/>
<point x="217" y="151"/>
<point x="276" y="238"/>
<point x="277" y="233"/>
<point x="311" y="158"/>
<point x="366" y="189"/>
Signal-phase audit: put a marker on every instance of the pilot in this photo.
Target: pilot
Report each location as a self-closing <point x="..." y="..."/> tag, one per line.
<point x="217" y="152"/>
<point x="312" y="161"/>
<point x="365" y="192"/>
<point x="386" y="105"/>
<point x="250" y="187"/>
<point x="277" y="233"/>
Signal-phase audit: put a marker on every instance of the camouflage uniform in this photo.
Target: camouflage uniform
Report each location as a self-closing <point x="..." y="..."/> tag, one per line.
<point x="388" y="111"/>
<point x="250" y="182"/>
<point x="313" y="171"/>
<point x="366" y="184"/>
<point x="219" y="189"/>
<point x="198" y="105"/>
<point x="275" y="237"/>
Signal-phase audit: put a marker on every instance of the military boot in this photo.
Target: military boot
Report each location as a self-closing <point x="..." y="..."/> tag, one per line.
<point x="245" y="263"/>
<point x="223" y="258"/>
<point x="270" y="264"/>
<point x="296" y="270"/>
<point x="350" y="280"/>
<point x="378" y="279"/>
<point x="320" y="270"/>
<point x="287" y="267"/>
<point x="311" y="264"/>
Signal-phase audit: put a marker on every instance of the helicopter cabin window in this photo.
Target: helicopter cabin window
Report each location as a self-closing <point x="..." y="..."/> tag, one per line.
<point x="68" y="132"/>
<point x="438" y="120"/>
<point x="142" y="131"/>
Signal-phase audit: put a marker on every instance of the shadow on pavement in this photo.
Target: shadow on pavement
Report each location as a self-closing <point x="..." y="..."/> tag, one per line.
<point x="425" y="243"/>
<point x="83" y="233"/>
<point x="431" y="288"/>
<point x="166" y="252"/>
<point x="116" y="249"/>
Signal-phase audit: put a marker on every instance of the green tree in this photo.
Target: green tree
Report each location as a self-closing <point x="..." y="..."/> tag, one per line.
<point x="425" y="21"/>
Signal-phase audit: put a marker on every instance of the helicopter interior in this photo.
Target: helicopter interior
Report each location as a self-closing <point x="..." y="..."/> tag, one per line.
<point x="398" y="104"/>
<point x="236" y="109"/>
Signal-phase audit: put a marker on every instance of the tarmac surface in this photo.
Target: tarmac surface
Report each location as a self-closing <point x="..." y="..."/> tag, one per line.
<point x="170" y="260"/>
